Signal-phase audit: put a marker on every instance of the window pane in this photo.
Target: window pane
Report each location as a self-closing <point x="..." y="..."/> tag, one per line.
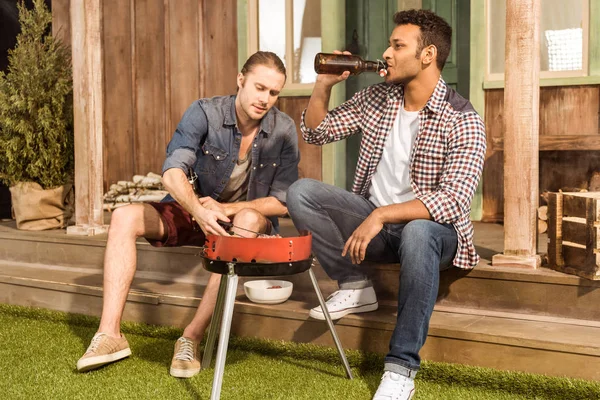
<point x="497" y="25"/>
<point x="271" y="26"/>
<point x="561" y="35"/>
<point x="307" y="39"/>
<point x="561" y="43"/>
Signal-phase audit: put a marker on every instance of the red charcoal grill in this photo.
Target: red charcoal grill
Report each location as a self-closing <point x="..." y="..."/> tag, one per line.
<point x="235" y="256"/>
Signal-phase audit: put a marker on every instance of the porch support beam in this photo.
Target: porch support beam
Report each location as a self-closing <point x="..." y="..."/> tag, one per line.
<point x="521" y="130"/>
<point x="88" y="70"/>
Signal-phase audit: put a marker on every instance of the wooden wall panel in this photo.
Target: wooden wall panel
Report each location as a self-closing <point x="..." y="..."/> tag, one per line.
<point x="569" y="110"/>
<point x="310" y="155"/>
<point x="184" y="37"/>
<point x="149" y="85"/>
<point x="119" y="150"/>
<point x="160" y="56"/>
<point x="61" y="20"/>
<point x="219" y="45"/>
<point x="564" y="111"/>
<point x="493" y="171"/>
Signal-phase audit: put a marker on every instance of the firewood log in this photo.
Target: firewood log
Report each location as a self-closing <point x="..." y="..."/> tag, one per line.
<point x="543" y="213"/>
<point x="542" y="226"/>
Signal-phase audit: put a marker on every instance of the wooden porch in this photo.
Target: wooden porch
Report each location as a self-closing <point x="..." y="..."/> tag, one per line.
<point x="538" y="321"/>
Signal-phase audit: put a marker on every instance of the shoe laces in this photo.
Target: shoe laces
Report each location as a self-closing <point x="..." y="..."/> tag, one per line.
<point x="186" y="350"/>
<point x="95" y="342"/>
<point x="338" y="296"/>
<point x="393" y="384"/>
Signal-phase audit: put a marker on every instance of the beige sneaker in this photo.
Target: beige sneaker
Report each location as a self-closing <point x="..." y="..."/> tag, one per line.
<point x="185" y="363"/>
<point x="103" y="349"/>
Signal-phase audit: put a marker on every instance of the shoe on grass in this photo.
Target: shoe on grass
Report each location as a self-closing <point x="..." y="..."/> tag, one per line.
<point x="347" y="301"/>
<point x="185" y="363"/>
<point x="394" y="386"/>
<point x="103" y="350"/>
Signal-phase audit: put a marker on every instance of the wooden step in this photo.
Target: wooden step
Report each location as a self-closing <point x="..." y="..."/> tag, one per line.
<point x="503" y="340"/>
<point x="541" y="292"/>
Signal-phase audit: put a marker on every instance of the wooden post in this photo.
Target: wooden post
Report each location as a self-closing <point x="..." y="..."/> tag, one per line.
<point x="521" y="141"/>
<point x="88" y="70"/>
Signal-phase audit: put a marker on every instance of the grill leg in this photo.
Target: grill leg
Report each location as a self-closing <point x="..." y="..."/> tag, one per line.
<point x="213" y="329"/>
<point x="232" y="281"/>
<point x="338" y="344"/>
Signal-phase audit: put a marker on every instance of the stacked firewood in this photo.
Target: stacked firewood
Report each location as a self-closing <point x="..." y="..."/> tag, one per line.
<point x="542" y="212"/>
<point x="140" y="189"/>
<point x="542" y="222"/>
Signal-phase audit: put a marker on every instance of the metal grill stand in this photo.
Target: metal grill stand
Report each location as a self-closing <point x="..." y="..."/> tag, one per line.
<point x="224" y="311"/>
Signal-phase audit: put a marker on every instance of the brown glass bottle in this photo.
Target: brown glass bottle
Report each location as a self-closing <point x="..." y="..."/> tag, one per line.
<point x="327" y="63"/>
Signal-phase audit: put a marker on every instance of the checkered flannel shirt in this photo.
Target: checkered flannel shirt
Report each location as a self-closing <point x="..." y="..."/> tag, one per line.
<point x="446" y="160"/>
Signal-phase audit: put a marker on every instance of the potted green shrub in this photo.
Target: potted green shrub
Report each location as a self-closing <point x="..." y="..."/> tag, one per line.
<point x="36" y="124"/>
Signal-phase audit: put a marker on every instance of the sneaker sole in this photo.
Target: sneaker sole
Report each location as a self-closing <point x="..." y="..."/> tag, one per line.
<point x="87" y="364"/>
<point x="183" y="373"/>
<point x="339" y="314"/>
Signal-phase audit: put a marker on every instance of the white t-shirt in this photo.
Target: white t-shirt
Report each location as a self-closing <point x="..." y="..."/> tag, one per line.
<point x="391" y="182"/>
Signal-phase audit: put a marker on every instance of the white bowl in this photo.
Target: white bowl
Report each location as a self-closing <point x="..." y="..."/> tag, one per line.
<point x="268" y="291"/>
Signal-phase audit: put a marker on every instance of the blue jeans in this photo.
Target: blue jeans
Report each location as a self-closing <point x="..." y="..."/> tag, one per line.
<point x="422" y="247"/>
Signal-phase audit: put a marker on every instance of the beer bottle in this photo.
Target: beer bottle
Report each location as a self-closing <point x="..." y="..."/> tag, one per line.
<point x="335" y="64"/>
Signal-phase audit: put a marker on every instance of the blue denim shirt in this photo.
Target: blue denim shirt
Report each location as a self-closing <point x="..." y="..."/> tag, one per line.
<point x="208" y="141"/>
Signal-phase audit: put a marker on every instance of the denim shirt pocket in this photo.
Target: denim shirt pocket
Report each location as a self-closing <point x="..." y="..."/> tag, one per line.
<point x="266" y="169"/>
<point x="212" y="159"/>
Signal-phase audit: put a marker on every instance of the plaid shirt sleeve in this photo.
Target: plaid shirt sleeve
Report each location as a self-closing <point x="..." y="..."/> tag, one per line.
<point x="339" y="123"/>
<point x="462" y="170"/>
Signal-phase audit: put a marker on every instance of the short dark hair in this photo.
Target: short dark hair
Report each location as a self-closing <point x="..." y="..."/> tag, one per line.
<point x="434" y="31"/>
<point x="265" y="58"/>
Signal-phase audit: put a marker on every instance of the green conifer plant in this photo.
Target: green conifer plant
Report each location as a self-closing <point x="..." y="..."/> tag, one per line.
<point x="36" y="105"/>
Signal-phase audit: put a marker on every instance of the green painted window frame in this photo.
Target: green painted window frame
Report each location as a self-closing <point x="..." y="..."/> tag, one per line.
<point x="478" y="63"/>
<point x="332" y="36"/>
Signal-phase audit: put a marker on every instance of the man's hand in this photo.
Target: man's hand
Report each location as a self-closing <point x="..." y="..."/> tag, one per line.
<point x="328" y="80"/>
<point x="208" y="220"/>
<point x="211" y="204"/>
<point x="356" y="245"/>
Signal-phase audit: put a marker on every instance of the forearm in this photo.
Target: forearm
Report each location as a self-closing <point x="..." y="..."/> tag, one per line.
<point x="267" y="206"/>
<point x="176" y="182"/>
<point x="317" y="105"/>
<point x="402" y="213"/>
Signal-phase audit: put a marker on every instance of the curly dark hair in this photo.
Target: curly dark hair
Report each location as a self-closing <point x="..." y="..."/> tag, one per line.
<point x="434" y="31"/>
<point x="265" y="58"/>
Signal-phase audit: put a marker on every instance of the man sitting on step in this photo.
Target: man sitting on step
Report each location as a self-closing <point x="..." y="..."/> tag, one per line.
<point x="244" y="153"/>
<point x="420" y="161"/>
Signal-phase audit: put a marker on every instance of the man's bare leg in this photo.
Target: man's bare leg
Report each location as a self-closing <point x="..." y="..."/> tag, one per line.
<point x="247" y="219"/>
<point x="120" y="259"/>
<point x="127" y="224"/>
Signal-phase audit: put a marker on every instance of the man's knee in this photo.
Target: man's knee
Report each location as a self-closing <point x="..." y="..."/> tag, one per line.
<point x="249" y="218"/>
<point x="418" y="232"/>
<point x="127" y="220"/>
<point x="301" y="191"/>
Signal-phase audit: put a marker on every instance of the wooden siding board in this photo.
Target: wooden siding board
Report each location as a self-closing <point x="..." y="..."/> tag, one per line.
<point x="184" y="61"/>
<point x="118" y="87"/>
<point x="569" y="110"/>
<point x="61" y="20"/>
<point x="149" y="86"/>
<point x="493" y="171"/>
<point x="220" y="47"/>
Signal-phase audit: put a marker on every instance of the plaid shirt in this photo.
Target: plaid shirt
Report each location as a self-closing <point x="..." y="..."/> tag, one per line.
<point x="446" y="160"/>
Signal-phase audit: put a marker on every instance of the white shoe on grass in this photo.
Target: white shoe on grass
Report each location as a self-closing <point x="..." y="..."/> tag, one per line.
<point x="394" y="386"/>
<point x="347" y="301"/>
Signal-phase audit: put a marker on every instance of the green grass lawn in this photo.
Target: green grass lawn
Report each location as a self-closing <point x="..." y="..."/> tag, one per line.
<point x="39" y="350"/>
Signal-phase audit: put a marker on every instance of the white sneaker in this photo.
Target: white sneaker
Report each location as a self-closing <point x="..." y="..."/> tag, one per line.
<point x="347" y="301"/>
<point x="394" y="386"/>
